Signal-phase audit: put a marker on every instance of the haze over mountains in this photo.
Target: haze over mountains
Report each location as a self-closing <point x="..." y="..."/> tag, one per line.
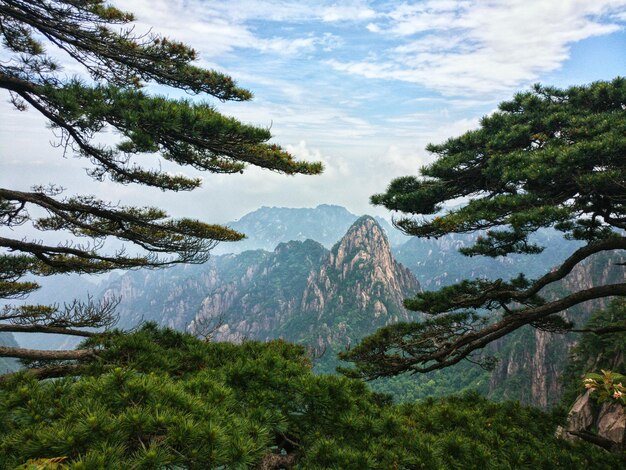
<point x="325" y="277"/>
<point x="266" y="227"/>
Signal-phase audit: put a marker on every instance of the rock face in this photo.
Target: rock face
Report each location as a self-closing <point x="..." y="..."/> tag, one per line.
<point x="611" y="423"/>
<point x="301" y="291"/>
<point x="603" y="424"/>
<point x="581" y="416"/>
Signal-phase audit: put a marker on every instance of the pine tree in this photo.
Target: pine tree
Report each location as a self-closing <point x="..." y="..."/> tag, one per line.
<point x="118" y="64"/>
<point x="549" y="158"/>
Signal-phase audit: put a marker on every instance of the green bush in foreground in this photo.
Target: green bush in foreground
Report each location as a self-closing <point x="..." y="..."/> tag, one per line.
<point x="162" y="399"/>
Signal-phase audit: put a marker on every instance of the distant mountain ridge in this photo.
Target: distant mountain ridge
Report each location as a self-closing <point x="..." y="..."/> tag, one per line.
<point x="435" y="262"/>
<point x="266" y="227"/>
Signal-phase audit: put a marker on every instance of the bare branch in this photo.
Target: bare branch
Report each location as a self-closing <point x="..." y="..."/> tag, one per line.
<point x="38" y="354"/>
<point x="45" y="329"/>
<point x="205" y="327"/>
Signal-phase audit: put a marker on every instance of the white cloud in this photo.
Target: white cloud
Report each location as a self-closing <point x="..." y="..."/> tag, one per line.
<point x="354" y="12"/>
<point x="218" y="29"/>
<point x="366" y="133"/>
<point x="470" y="47"/>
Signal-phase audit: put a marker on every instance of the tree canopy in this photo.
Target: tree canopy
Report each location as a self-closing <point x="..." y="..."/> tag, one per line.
<point x="548" y="158"/>
<point x="163" y="399"/>
<point x="111" y="95"/>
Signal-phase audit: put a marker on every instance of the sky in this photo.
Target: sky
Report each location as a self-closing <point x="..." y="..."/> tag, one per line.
<point x="361" y="85"/>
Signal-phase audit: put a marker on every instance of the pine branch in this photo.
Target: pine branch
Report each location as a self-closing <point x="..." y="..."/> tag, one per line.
<point x="597" y="440"/>
<point x="119" y="56"/>
<point x="428" y="346"/>
<point x="49" y="372"/>
<point x="601" y="331"/>
<point x="498" y="294"/>
<point x="12" y="328"/>
<point x="613" y="243"/>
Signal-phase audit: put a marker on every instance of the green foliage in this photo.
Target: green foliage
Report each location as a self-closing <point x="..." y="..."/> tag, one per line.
<point x="162" y="399"/>
<point x="454" y="380"/>
<point x="185" y="132"/>
<point x="545" y="158"/>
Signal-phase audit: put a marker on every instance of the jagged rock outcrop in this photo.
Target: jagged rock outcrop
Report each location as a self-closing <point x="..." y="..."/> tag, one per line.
<point x="604" y="425"/>
<point x="317" y="296"/>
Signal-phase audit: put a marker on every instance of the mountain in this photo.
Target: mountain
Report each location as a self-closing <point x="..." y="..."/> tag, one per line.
<point x="330" y="292"/>
<point x="435" y="262"/>
<point x="301" y="291"/>
<point x="268" y="226"/>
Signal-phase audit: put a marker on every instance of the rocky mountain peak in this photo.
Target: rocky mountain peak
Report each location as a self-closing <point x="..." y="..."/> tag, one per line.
<point x="300" y="291"/>
<point x="364" y="234"/>
<point x="268" y="226"/>
<point x="365" y="247"/>
<point x="361" y="275"/>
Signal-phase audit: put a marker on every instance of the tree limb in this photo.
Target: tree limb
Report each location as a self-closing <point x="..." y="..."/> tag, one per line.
<point x="45" y="329"/>
<point x="38" y="354"/>
<point x="602" y="331"/>
<point x="464" y="345"/>
<point x="435" y="345"/>
<point x="49" y="372"/>
<point x="596" y="440"/>
<point x="614" y="243"/>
